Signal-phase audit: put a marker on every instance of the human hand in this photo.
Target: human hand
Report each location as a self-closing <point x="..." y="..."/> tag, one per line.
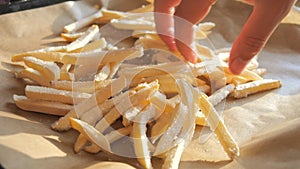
<point x="178" y="33"/>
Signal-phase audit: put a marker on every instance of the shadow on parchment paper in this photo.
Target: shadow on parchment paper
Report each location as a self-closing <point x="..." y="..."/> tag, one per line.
<point x="52" y="160"/>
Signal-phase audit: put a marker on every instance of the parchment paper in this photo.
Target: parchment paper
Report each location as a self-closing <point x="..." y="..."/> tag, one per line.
<point x="266" y="125"/>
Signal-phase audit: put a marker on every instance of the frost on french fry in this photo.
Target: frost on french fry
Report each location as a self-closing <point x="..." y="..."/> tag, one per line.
<point x="70" y="37"/>
<point x="50" y="94"/>
<point x="79" y="86"/>
<point x="48" y="69"/>
<point x="82" y="23"/>
<point x="103" y="92"/>
<point x="243" y="90"/>
<point x="84" y="39"/>
<point x="35" y="76"/>
<point x="217" y="125"/>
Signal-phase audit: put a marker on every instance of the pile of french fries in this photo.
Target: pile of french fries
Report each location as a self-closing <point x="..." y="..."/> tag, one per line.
<point x="93" y="85"/>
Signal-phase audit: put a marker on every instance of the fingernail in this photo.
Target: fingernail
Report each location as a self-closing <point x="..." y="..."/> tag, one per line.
<point x="236" y="65"/>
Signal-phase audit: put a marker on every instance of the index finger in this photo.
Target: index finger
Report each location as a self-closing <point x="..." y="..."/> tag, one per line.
<point x="257" y="30"/>
<point x="163" y="13"/>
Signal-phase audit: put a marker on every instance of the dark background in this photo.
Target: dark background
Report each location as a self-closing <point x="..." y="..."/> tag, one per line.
<point x="7" y="6"/>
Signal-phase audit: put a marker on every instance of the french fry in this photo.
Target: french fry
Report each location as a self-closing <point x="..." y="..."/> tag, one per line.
<point x="111" y="137"/>
<point x="108" y="15"/>
<point x="161" y="125"/>
<point x="103" y="74"/>
<point x="99" y="56"/>
<point x="189" y="97"/>
<point x="167" y="140"/>
<point x="143" y="21"/>
<point x="260" y="71"/>
<point x="154" y="70"/>
<point x="70" y="37"/>
<point x="93" y="115"/>
<point x="218" y="127"/>
<point x="48" y="69"/>
<point x="243" y="90"/>
<point x="172" y="159"/>
<point x="119" y="133"/>
<point x="65" y="74"/>
<point x="159" y="100"/>
<point x="80" y="86"/>
<point x="41" y="106"/>
<point x="140" y="142"/>
<point x="84" y="39"/>
<point x="80" y="143"/>
<point x="114" y="67"/>
<point x="99" y="97"/>
<point x="82" y="22"/>
<point x="42" y="55"/>
<point x="246" y="74"/>
<point x="34" y="75"/>
<point x="97" y="44"/>
<point x="91" y="133"/>
<point x="203" y="29"/>
<point x="141" y="33"/>
<point x="205" y="88"/>
<point x="200" y="119"/>
<point x="136" y="103"/>
<point x="96" y="113"/>
<point x="203" y="51"/>
<point x="50" y="94"/>
<point x="135" y="106"/>
<point x="154" y="42"/>
<point x="221" y="94"/>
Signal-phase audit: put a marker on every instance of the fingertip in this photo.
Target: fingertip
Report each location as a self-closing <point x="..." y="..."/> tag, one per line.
<point x="186" y="51"/>
<point x="237" y="65"/>
<point x="169" y="41"/>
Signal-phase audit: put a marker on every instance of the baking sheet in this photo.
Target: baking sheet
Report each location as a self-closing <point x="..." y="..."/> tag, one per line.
<point x="266" y="125"/>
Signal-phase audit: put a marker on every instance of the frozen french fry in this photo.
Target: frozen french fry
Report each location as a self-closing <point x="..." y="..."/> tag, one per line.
<point x="91" y="133"/>
<point x="142" y="21"/>
<point x="42" y="55"/>
<point x="260" y="71"/>
<point x="48" y="69"/>
<point x="134" y="104"/>
<point x="84" y="39"/>
<point x="80" y="143"/>
<point x="93" y="115"/>
<point x="80" y="86"/>
<point x="218" y="127"/>
<point x="34" y="75"/>
<point x="243" y="90"/>
<point x="41" y="106"/>
<point x="189" y="97"/>
<point x="100" y="56"/>
<point x="167" y="140"/>
<point x="82" y="22"/>
<point x="108" y="15"/>
<point x="172" y="157"/>
<point x="50" y="94"/>
<point x="70" y="37"/>
<point x="99" y="97"/>
<point x="97" y="44"/>
<point x="200" y="119"/>
<point x="221" y="94"/>
<point x="103" y="74"/>
<point x="140" y="143"/>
